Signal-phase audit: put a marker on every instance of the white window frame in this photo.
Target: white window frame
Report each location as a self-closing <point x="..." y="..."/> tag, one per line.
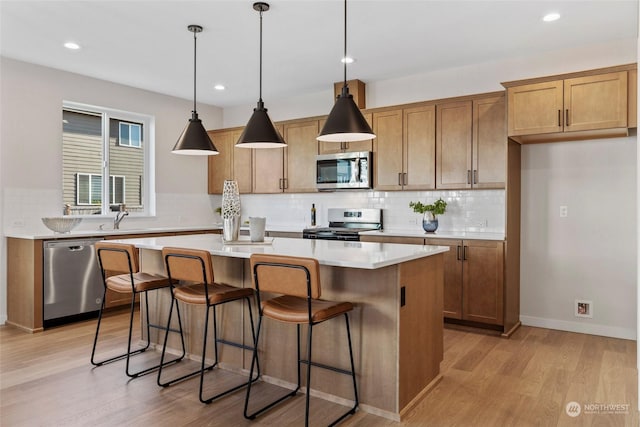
<point x="128" y="142"/>
<point x="148" y="124"/>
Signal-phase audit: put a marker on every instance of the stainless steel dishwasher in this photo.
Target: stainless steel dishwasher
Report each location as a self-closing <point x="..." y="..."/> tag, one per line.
<point x="72" y="282"/>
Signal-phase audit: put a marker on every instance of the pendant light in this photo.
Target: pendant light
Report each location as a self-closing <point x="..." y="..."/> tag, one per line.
<point x="345" y="122"/>
<point x="194" y="139"/>
<point x="260" y="131"/>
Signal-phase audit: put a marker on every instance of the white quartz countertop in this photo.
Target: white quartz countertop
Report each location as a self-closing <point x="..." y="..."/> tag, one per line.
<point x="80" y="234"/>
<point x="365" y="255"/>
<point x="418" y="232"/>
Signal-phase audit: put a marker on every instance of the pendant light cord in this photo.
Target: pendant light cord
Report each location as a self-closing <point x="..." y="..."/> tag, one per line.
<point x="260" y="99"/>
<point x="344" y="58"/>
<point x="194" y="74"/>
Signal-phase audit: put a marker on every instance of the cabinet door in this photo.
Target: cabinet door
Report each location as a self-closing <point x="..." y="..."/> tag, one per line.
<point x="219" y="166"/>
<point x="596" y="102"/>
<point x="452" y="276"/>
<point x="419" y="156"/>
<point x="300" y="155"/>
<point x="535" y="108"/>
<point x="242" y="166"/>
<point x="387" y="160"/>
<point x="325" y="147"/>
<point x="453" y="145"/>
<point x="482" y="289"/>
<point x="232" y="163"/>
<point x="268" y="169"/>
<point x="489" y="143"/>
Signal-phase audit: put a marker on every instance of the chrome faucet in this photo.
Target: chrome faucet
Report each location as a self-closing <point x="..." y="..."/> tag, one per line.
<point x="119" y="217"/>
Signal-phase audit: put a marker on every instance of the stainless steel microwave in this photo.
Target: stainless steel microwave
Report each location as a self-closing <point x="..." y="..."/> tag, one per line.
<point x="344" y="171"/>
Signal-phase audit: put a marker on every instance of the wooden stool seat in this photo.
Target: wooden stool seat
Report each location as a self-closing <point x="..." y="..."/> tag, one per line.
<point x="292" y="309"/>
<point x="141" y="282"/>
<point x="217" y="293"/>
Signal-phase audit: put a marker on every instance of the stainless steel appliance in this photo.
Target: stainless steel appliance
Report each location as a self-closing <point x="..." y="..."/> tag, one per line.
<point x="344" y="171"/>
<point x="345" y="224"/>
<point x="72" y="286"/>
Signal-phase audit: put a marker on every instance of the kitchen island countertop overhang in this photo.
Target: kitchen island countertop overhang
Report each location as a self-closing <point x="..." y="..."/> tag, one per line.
<point x="366" y="255"/>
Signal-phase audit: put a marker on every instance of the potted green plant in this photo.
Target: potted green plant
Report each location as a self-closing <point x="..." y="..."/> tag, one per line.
<point x="431" y="212"/>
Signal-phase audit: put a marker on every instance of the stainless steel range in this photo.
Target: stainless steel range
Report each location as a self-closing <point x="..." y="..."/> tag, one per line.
<point x="345" y="224"/>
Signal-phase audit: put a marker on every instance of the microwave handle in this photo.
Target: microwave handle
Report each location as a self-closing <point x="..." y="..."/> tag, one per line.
<point x="356" y="171"/>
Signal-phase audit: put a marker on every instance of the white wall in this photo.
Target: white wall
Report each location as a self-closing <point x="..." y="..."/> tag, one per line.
<point x="31" y="139"/>
<point x="477" y="78"/>
<point x="591" y="253"/>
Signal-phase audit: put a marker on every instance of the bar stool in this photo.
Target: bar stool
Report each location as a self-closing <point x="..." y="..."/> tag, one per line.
<point x="196" y="266"/>
<point x="297" y="280"/>
<point x="123" y="258"/>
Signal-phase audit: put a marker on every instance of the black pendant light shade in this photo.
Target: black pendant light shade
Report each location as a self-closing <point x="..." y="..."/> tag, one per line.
<point x="345" y="122"/>
<point x="260" y="131"/>
<point x="194" y="139"/>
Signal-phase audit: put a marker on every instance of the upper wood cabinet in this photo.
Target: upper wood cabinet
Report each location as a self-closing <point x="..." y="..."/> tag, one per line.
<point x="489" y="151"/>
<point x="419" y="148"/>
<point x="471" y="144"/>
<point x="268" y="169"/>
<point x="453" y="138"/>
<point x="404" y="149"/>
<point x="232" y="163"/>
<point x="300" y="156"/>
<point x="325" y="147"/>
<point x="575" y="106"/>
<point x="290" y="169"/>
<point x="387" y="160"/>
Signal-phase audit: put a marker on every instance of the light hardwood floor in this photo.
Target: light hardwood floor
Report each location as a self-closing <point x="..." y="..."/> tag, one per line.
<point x="46" y="379"/>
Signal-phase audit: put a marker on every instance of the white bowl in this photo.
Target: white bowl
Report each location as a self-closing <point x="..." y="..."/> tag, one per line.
<point x="61" y="224"/>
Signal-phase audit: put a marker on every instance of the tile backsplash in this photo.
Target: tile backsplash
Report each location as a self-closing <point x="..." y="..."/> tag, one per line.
<point x="467" y="210"/>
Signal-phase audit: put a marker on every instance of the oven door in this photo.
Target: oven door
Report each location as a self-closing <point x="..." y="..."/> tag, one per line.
<point x="343" y="171"/>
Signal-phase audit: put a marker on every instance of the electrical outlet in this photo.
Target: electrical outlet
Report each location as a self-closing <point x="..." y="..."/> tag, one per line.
<point x="564" y="211"/>
<point x="413" y="221"/>
<point x="583" y="308"/>
<point x="18" y="223"/>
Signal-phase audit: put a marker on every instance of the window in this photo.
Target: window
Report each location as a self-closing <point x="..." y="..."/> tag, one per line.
<point x="89" y="189"/>
<point x="130" y="134"/>
<point x="100" y="168"/>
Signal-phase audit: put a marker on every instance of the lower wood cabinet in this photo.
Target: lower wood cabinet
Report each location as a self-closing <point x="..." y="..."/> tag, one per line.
<point x="473" y="280"/>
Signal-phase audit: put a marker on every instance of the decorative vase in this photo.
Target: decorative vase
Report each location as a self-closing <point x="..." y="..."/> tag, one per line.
<point x="430" y="222"/>
<point x="230" y="211"/>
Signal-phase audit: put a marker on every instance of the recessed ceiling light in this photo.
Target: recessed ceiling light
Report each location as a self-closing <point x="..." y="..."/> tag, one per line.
<point x="219" y="87"/>
<point x="549" y="17"/>
<point x="347" y="59"/>
<point x="72" y="45"/>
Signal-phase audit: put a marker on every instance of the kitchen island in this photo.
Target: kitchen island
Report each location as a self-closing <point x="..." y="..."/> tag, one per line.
<point x="397" y="324"/>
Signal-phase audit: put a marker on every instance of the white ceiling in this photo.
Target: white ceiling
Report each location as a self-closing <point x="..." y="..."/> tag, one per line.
<point x="146" y="44"/>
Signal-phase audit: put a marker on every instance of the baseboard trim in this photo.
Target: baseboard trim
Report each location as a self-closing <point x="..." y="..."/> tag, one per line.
<point x="582" y="328"/>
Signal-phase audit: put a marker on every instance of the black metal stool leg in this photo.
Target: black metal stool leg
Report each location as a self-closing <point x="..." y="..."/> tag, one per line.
<point x="308" y="396"/>
<point x="254" y="360"/>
